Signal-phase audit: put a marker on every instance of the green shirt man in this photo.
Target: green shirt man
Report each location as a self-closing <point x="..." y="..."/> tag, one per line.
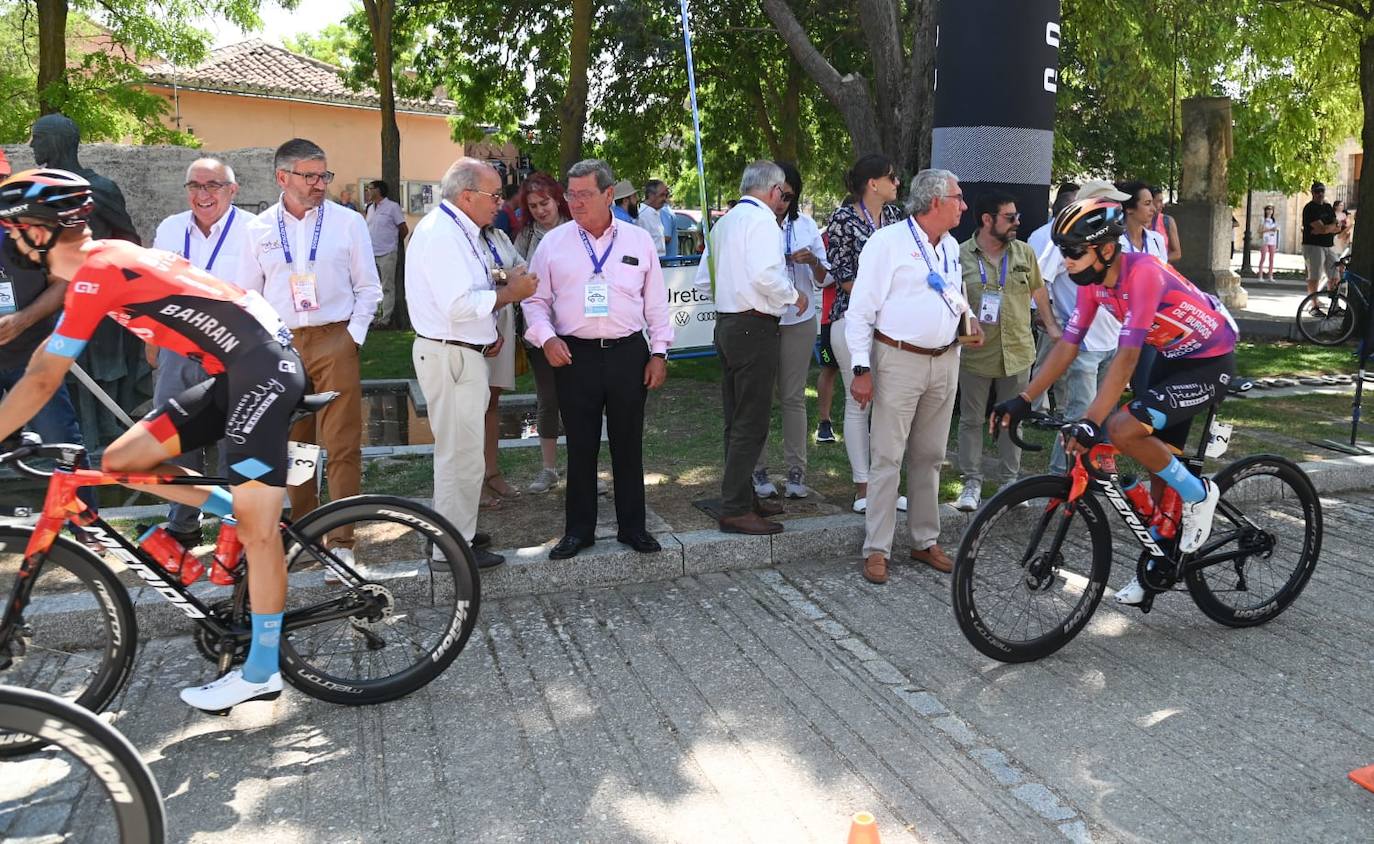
<point x="1000" y="287"/>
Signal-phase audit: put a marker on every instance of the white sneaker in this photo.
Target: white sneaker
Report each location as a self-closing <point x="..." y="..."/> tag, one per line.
<point x="1197" y="519"/>
<point x="1132" y="594"/>
<point x="861" y="504"/>
<point x="901" y="504"/>
<point x="546" y="480"/>
<point x="969" y="499"/>
<point x="231" y="690"/>
<point x="796" y="483"/>
<point x="763" y="485"/>
<point x="345" y="556"/>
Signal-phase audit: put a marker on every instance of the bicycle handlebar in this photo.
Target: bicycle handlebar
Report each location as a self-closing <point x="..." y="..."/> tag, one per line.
<point x="1013" y="432"/>
<point x="32" y="446"/>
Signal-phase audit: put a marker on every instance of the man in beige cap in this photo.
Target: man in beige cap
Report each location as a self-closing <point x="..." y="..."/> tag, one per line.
<point x="626" y="202"/>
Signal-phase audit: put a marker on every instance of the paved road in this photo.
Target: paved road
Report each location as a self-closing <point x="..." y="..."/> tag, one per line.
<point x="769" y="705"/>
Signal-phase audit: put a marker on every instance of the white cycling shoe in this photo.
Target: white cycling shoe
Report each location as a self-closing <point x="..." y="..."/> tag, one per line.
<point x="1132" y="594"/>
<point x="231" y="690"/>
<point x="1197" y="519"/>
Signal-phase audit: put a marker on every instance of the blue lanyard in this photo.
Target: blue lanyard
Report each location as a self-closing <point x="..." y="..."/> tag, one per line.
<point x="314" y="241"/>
<point x="934" y="279"/>
<point x="1001" y="282"/>
<point x="1144" y="243"/>
<point x="224" y="232"/>
<point x="597" y="264"/>
<point x="749" y="200"/>
<point x="454" y="217"/>
<point x="787" y="235"/>
<point x="495" y="256"/>
<point x="872" y="225"/>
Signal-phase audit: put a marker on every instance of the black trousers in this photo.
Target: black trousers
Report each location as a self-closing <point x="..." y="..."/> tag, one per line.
<point x="610" y="381"/>
<point x="747" y="346"/>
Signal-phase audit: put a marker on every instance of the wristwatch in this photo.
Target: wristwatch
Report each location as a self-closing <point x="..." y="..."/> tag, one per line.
<point x="660" y="355"/>
<point x="860" y="370"/>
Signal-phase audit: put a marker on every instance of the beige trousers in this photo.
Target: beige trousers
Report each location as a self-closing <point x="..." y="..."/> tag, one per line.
<point x="454" y="381"/>
<point x="913" y="403"/>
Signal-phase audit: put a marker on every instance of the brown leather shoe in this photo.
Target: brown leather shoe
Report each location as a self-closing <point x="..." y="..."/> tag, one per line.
<point x="875" y="568"/>
<point x="935" y="557"/>
<point x="750" y="523"/>
<point x="766" y="508"/>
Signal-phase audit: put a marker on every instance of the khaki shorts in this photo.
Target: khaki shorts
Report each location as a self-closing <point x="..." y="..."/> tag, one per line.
<point x="1320" y="260"/>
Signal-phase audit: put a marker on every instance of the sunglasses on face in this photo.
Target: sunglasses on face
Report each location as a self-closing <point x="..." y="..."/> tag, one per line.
<point x="788" y="196"/>
<point x="1075" y="251"/>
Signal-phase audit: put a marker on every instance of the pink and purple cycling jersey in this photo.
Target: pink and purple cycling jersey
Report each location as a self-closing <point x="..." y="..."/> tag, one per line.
<point x="1156" y="305"/>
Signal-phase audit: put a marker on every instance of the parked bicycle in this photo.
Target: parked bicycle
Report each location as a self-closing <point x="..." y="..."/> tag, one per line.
<point x="83" y="749"/>
<point x="1329" y="317"/>
<point x="68" y="625"/>
<point x="1033" y="564"/>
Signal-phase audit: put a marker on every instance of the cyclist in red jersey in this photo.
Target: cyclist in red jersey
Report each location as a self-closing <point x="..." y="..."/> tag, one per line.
<point x="256" y="382"/>
<point x="1195" y="337"/>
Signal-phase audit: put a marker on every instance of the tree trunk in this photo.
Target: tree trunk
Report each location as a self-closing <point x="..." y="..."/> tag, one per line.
<point x="789" y="115"/>
<point x="573" y="109"/>
<point x="380" y="16"/>
<point x="1362" y="240"/>
<point x="52" y="53"/>
<point x="920" y="86"/>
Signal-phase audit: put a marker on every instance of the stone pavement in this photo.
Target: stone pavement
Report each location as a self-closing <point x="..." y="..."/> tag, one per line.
<point x="770" y="704"/>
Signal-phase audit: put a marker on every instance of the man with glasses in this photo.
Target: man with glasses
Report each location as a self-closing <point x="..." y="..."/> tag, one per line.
<point x="1001" y="276"/>
<point x="213" y="236"/>
<point x="745" y="264"/>
<point x="316" y="269"/>
<point x="905" y="316"/>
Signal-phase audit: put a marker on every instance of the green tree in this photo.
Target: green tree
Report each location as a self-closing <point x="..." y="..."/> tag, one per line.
<point x="334" y="45"/>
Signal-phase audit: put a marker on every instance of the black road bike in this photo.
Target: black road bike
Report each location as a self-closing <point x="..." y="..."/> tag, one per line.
<point x="68" y="626"/>
<point x="1033" y="564"/>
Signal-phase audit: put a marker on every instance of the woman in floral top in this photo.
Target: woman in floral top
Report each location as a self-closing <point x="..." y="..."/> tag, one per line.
<point x="872" y="185"/>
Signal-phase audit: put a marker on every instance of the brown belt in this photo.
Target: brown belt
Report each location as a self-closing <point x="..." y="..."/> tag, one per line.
<point x="908" y="347"/>
<point x="476" y="347"/>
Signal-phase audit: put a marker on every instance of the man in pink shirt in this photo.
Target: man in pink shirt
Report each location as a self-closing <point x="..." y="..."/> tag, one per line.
<point x="600" y="288"/>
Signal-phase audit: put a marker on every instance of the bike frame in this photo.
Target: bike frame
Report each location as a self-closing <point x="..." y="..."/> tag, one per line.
<point x="1096" y="470"/>
<point x="61" y="505"/>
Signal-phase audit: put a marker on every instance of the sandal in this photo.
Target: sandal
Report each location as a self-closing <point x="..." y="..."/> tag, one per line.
<point x="500" y="488"/>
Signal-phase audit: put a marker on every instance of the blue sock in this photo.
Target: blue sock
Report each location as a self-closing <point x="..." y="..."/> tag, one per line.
<point x="220" y="502"/>
<point x="263" y="652"/>
<point x="1188" y="485"/>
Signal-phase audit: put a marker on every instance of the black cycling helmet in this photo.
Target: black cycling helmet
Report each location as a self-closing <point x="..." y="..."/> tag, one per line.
<point x="43" y="198"/>
<point x="55" y="197"/>
<point x="1088" y="222"/>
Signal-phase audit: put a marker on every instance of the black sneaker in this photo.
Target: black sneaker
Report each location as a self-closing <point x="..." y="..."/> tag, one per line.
<point x="825" y="432"/>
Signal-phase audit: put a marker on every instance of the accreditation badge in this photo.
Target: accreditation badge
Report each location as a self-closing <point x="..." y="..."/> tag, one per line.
<point x="7" y="302"/>
<point x="596" y="298"/>
<point x="991" y="307"/>
<point x="304" y="296"/>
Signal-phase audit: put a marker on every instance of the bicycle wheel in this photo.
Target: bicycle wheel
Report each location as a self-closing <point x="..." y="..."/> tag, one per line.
<point x="1029" y="572"/>
<point x="1326" y="318"/>
<point x="421" y="623"/>
<point x="80" y="749"/>
<point x="75" y="638"/>
<point x="1270" y="511"/>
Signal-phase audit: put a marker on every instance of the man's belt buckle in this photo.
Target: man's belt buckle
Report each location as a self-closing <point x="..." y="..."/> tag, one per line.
<point x="607" y="342"/>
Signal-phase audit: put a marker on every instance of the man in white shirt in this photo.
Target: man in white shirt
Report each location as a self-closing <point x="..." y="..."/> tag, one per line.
<point x="744" y="262"/>
<point x="212" y="235"/>
<point x="655" y="194"/>
<point x="386" y="225"/>
<point x="316" y="269"/>
<point x="904" y="321"/>
<point x="454" y="291"/>
<point x="1099" y="344"/>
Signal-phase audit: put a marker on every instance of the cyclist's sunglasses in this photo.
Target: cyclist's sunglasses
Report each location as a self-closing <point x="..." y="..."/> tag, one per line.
<point x="1075" y="251"/>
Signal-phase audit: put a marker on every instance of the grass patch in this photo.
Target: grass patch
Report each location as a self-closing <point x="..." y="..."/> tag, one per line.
<point x="1269" y="359"/>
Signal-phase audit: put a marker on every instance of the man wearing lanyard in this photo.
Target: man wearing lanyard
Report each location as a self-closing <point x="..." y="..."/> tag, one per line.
<point x="753" y="290"/>
<point x="213" y="236"/>
<point x="600" y="289"/>
<point x="316" y="269"/>
<point x="454" y="291"/>
<point x="906" y="314"/>
<point x="1001" y="277"/>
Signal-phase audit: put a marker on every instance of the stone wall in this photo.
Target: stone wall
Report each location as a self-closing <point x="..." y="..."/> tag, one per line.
<point x="151" y="177"/>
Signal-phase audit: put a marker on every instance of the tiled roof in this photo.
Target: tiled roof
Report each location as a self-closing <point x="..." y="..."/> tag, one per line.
<point x="256" y="67"/>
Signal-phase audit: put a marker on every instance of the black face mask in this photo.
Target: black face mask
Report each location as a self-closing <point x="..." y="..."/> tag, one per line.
<point x="1096" y="272"/>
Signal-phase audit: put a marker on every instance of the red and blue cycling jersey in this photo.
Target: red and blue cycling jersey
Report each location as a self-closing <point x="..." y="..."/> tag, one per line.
<point x="167" y="302"/>
<point x="1156" y="305"/>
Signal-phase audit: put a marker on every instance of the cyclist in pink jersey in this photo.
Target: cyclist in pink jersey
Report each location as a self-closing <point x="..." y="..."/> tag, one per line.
<point x="1195" y="337"/>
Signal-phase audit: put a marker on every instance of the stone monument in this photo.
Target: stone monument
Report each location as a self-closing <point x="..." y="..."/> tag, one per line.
<point x="1203" y="211"/>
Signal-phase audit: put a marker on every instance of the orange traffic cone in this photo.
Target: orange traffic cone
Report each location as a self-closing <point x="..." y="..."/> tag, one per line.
<point x="1361" y="776"/>
<point x="864" y="829"/>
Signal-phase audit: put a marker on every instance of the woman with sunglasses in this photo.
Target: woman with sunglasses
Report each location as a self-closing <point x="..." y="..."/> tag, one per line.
<point x="872" y="184"/>
<point x="804" y="254"/>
